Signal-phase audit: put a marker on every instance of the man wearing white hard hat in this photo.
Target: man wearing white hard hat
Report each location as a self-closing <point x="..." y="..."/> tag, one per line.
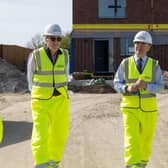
<point x="138" y="79"/>
<point x="47" y="77"/>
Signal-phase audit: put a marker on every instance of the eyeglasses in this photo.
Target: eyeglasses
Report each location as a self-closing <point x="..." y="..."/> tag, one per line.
<point x="55" y="39"/>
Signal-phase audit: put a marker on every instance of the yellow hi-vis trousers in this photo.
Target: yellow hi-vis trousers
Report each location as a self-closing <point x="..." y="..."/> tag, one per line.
<point x="50" y="128"/>
<point x="1" y="129"/>
<point x="139" y="130"/>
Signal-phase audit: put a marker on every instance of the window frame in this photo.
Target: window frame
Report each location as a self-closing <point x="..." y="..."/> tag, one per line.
<point x="127" y="47"/>
<point x="112" y="16"/>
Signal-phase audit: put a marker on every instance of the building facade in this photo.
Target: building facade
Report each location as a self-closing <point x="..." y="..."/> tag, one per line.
<point x="103" y="32"/>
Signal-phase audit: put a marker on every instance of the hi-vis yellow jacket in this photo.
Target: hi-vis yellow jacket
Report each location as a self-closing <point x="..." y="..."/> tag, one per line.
<point x="1" y="129"/>
<point x="48" y="76"/>
<point x="142" y="99"/>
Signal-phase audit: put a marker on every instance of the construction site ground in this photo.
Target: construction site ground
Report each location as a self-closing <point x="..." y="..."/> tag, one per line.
<point x="96" y="133"/>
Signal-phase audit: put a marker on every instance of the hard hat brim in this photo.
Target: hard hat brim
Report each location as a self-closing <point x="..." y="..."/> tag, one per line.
<point x="141" y="41"/>
<point x="53" y="34"/>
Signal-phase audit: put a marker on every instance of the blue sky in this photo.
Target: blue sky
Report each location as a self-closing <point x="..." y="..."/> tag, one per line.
<point x="22" y="19"/>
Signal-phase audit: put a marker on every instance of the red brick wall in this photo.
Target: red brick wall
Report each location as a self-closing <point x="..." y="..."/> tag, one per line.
<point x="83" y="55"/>
<point x="140" y="11"/>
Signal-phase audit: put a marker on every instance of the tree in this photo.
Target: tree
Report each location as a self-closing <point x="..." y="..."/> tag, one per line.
<point x="36" y="41"/>
<point x="66" y="41"/>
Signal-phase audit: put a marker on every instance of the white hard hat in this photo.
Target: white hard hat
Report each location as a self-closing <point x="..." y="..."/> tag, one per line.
<point x="52" y="30"/>
<point x="143" y="36"/>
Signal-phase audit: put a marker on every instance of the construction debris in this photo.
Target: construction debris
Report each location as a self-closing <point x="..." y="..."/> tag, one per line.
<point x="11" y="79"/>
<point x="91" y="86"/>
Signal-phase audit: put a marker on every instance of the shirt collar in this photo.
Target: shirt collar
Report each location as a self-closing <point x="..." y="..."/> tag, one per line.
<point x="143" y="59"/>
<point x="49" y="53"/>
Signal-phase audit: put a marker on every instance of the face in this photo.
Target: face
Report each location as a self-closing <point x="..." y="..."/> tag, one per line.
<point x="141" y="48"/>
<point x="53" y="42"/>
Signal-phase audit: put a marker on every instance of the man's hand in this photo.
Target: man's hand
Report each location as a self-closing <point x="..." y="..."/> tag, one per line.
<point x="141" y="84"/>
<point x="132" y="88"/>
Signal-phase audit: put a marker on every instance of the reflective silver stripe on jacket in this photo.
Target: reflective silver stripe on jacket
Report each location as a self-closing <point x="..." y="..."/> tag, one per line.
<point x="50" y="84"/>
<point x="66" y="58"/>
<point x="44" y="165"/>
<point x="149" y="95"/>
<point x="39" y="72"/>
<point x="137" y="164"/>
<point x="38" y="59"/>
<point x="154" y="69"/>
<point x="50" y="72"/>
<point x="56" y="72"/>
<point x="125" y="69"/>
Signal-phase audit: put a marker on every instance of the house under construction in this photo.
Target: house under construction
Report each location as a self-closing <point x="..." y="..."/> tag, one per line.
<point x="103" y="32"/>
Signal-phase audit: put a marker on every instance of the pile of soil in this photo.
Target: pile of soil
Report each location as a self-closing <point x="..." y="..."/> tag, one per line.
<point x="12" y="80"/>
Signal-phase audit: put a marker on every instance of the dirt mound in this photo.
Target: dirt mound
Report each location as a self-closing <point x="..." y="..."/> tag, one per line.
<point x="11" y="79"/>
